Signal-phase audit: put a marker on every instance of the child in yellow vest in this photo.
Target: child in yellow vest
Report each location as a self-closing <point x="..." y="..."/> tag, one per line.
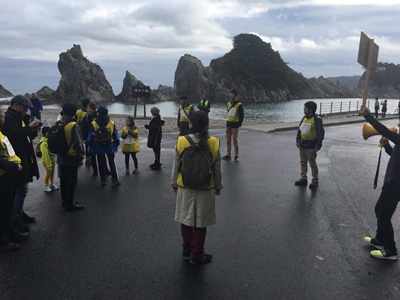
<point x="48" y="162"/>
<point x="130" y="144"/>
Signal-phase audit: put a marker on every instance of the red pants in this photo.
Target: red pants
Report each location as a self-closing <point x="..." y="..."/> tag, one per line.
<point x="193" y="240"/>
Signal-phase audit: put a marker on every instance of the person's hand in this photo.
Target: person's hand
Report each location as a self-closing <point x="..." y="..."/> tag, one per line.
<point x="81" y="162"/>
<point x="298" y="145"/>
<point x="19" y="168"/>
<point x="364" y="111"/>
<point x="34" y="123"/>
<point x="217" y="192"/>
<point x="40" y="111"/>
<point x="175" y="191"/>
<point x="384" y="141"/>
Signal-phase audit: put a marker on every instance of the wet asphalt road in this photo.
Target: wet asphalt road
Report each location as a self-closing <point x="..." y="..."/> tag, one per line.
<point x="126" y="245"/>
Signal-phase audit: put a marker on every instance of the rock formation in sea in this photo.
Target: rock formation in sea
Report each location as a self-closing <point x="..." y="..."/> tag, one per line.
<point x="4" y="93"/>
<point x="163" y="93"/>
<point x="44" y="93"/>
<point x="80" y="78"/>
<point x="129" y="82"/>
<point x="256" y="71"/>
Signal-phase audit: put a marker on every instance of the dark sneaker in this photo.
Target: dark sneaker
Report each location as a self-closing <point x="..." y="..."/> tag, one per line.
<point x="74" y="206"/>
<point x="152" y="165"/>
<point x="103" y="183"/>
<point x="8" y="247"/>
<point x="374" y="243"/>
<point x="301" y="181"/>
<point x="205" y="258"/>
<point x="116" y="182"/>
<point x="384" y="254"/>
<point x="236" y="158"/>
<point x="227" y="157"/>
<point x="20" y="225"/>
<point x="127" y="172"/>
<point x="27" y="219"/>
<point x="314" y="184"/>
<point x="156" y="167"/>
<point x="186" y="255"/>
<point x="16" y="236"/>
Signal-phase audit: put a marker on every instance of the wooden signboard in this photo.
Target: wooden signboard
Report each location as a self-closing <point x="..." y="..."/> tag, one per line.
<point x="367" y="57"/>
<point x="141" y="92"/>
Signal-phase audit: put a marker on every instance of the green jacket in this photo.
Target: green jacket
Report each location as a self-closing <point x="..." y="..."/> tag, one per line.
<point x="48" y="159"/>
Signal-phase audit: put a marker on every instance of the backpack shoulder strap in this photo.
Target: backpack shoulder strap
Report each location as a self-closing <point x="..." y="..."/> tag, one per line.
<point x="190" y="140"/>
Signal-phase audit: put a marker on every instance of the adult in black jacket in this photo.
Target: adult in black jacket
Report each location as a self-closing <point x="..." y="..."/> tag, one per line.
<point x="20" y="131"/>
<point x="155" y="136"/>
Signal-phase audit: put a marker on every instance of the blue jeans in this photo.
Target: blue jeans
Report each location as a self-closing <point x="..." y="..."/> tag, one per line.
<point x="20" y="194"/>
<point x="38" y="116"/>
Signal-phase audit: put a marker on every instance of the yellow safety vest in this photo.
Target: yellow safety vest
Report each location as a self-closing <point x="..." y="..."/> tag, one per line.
<point x="135" y="147"/>
<point x="80" y="114"/>
<point x="213" y="145"/>
<point x="233" y="113"/>
<point x="307" y="129"/>
<point x="182" y="110"/>
<point x="110" y="127"/>
<point x="5" y="155"/>
<point x="68" y="136"/>
<point x="204" y="103"/>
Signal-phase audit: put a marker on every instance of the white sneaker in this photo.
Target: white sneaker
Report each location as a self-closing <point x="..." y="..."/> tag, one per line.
<point x="54" y="187"/>
<point x="135" y="171"/>
<point x="47" y="189"/>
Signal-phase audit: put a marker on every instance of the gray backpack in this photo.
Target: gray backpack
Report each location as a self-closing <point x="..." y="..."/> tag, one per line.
<point x="196" y="166"/>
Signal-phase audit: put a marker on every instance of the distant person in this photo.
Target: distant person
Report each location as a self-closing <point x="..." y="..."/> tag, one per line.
<point x="104" y="141"/>
<point x="81" y="113"/>
<point x="70" y="161"/>
<point x="183" y="116"/>
<point x="85" y="125"/>
<point x="195" y="201"/>
<point x="10" y="165"/>
<point x="21" y="132"/>
<point x="390" y="195"/>
<point x="48" y="161"/>
<point x="376" y="107"/>
<point x="37" y="109"/>
<point x="233" y="123"/>
<point x="155" y="137"/>
<point x="309" y="141"/>
<point x="384" y="108"/>
<point x="204" y="104"/>
<point x="130" y="144"/>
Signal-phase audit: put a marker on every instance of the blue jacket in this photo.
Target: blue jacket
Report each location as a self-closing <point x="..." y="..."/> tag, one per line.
<point x="97" y="148"/>
<point x="37" y="105"/>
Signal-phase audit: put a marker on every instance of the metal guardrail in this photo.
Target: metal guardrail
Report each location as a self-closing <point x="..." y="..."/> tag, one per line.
<point x="340" y="107"/>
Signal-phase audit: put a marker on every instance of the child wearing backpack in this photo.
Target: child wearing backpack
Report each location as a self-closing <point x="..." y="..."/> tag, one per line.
<point x="48" y="162"/>
<point x="103" y="140"/>
<point x="196" y="179"/>
<point x="130" y="144"/>
<point x="309" y="141"/>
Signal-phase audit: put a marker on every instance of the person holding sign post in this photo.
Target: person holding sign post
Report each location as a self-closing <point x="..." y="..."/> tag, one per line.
<point x="233" y="123"/>
<point x="390" y="195"/>
<point x="183" y="115"/>
<point x="309" y="141"/>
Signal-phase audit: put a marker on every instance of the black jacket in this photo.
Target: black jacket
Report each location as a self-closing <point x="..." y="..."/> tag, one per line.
<point x="155" y="131"/>
<point x="85" y="125"/>
<point x="21" y="140"/>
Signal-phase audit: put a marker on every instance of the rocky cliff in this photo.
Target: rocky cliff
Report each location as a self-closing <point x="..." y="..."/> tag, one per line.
<point x="384" y="83"/>
<point x="350" y="81"/>
<point x="44" y="93"/>
<point x="256" y="71"/>
<point x="4" y="93"/>
<point x="129" y="82"/>
<point x="163" y="93"/>
<point x="80" y="78"/>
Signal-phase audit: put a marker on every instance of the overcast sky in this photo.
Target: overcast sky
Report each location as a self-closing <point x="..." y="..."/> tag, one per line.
<point x="316" y="37"/>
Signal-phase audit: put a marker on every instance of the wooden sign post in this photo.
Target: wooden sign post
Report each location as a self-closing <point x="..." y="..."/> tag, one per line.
<point x="367" y="57"/>
<point x="143" y="92"/>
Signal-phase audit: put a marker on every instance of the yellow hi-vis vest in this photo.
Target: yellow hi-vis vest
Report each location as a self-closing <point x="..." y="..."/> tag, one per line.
<point x="204" y="103"/>
<point x="308" y="129"/>
<point x="182" y="111"/>
<point x="5" y="154"/>
<point x="135" y="146"/>
<point x="68" y="136"/>
<point x="233" y="113"/>
<point x="213" y="145"/>
<point x="80" y="114"/>
<point x="110" y="127"/>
